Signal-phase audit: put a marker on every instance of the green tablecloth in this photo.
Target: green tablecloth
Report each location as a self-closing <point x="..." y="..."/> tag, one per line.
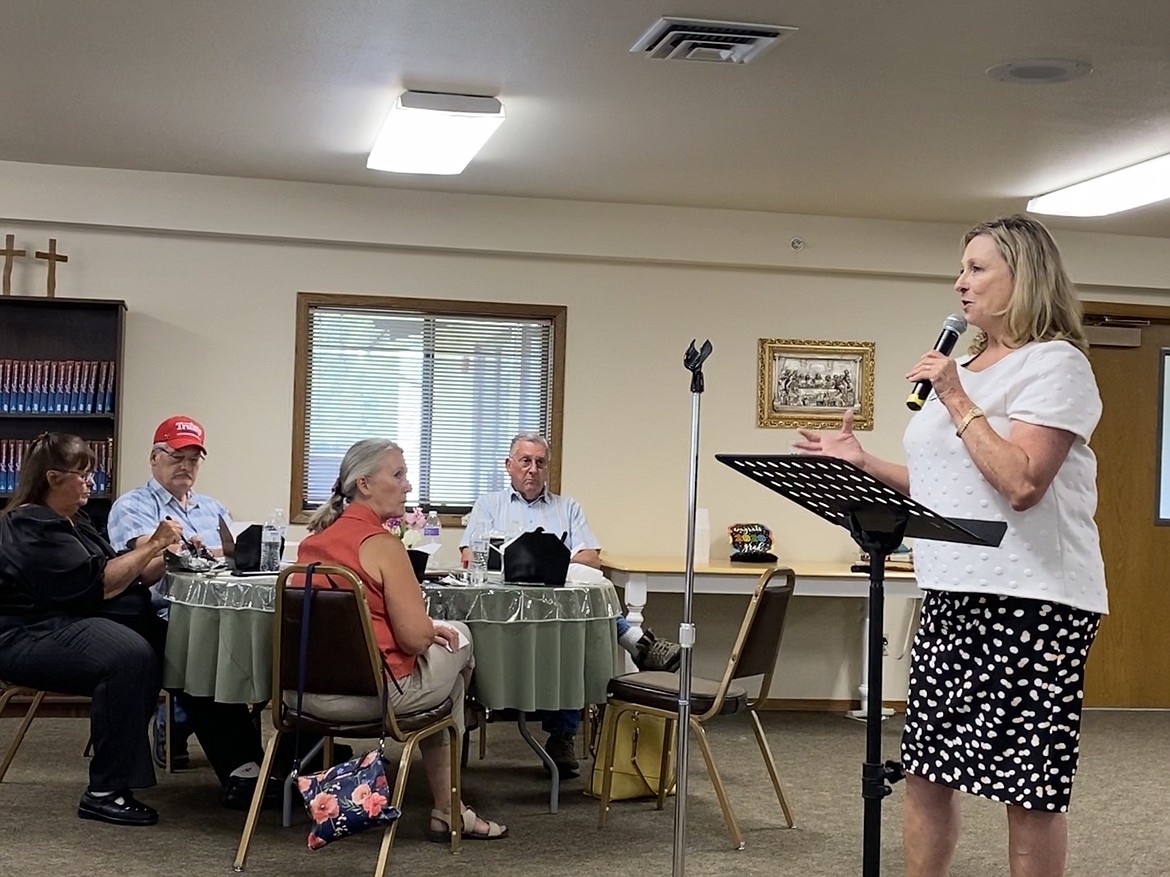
<point x="535" y="647"/>
<point x="219" y="642"/>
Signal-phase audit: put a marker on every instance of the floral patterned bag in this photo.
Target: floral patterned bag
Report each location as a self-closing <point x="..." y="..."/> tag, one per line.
<point x="350" y="797"/>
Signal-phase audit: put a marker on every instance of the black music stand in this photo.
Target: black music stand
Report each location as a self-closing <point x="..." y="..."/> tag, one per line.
<point x="878" y="518"/>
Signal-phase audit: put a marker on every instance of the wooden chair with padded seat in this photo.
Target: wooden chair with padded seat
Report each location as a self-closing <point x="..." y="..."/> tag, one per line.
<point x="7" y="692"/>
<point x="656" y="693"/>
<point x="343" y="688"/>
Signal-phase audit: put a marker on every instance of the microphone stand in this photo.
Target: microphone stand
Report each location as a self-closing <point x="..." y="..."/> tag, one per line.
<point x="693" y="360"/>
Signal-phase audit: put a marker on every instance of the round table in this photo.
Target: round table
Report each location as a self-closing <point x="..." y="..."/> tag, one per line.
<point x="219" y="639"/>
<point x="536" y="648"/>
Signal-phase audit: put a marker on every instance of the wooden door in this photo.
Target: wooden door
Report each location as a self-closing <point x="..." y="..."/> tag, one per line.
<point x="1129" y="665"/>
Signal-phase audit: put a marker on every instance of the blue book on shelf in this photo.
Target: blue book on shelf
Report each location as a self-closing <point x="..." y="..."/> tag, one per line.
<point x="39" y="386"/>
<point x="18" y="386"/>
<point x="87" y="387"/>
<point x="108" y="404"/>
<point x="103" y="374"/>
<point x="57" y="374"/>
<point x="75" y="388"/>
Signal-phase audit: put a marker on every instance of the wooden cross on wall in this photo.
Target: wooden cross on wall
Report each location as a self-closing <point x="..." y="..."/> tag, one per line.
<point x="53" y="258"/>
<point x="9" y="252"/>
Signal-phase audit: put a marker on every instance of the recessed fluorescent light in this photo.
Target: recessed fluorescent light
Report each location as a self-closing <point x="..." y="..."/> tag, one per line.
<point x="1120" y="190"/>
<point x="432" y="133"/>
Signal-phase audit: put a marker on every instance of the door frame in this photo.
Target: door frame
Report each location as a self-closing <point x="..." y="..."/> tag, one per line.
<point x="1155" y="313"/>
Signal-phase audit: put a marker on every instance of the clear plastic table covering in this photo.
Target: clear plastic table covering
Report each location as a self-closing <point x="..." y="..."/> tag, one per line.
<point x="220" y="590"/>
<point x="499" y="602"/>
<point x="514" y="602"/>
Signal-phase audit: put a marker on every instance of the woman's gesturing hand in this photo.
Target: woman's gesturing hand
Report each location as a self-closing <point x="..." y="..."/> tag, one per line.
<point x="842" y="445"/>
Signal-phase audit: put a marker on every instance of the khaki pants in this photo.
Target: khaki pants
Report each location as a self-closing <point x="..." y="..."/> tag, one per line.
<point x="437" y="676"/>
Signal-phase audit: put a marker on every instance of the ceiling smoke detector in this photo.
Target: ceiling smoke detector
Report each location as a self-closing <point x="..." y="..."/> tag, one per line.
<point x="697" y="39"/>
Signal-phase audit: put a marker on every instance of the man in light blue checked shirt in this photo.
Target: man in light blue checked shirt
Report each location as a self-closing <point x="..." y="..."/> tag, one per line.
<point x="525" y="505"/>
<point x="175" y="458"/>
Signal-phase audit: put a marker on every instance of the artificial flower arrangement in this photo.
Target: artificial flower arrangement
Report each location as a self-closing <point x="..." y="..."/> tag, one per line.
<point x="408" y="528"/>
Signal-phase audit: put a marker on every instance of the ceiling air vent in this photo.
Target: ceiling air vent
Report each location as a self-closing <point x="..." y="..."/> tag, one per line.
<point x="696" y="39"/>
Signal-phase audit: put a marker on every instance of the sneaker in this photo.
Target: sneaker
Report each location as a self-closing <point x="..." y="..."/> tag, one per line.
<point x="657" y="654"/>
<point x="238" y="792"/>
<point x="180" y="758"/>
<point x="562" y="749"/>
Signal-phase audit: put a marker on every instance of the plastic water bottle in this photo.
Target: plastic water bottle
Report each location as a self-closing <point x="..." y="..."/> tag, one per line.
<point x="270" y="543"/>
<point x="280" y="520"/>
<point x="480" y="545"/>
<point x="432" y="529"/>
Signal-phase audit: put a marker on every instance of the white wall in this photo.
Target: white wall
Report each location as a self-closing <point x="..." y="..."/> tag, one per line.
<point x="210" y="268"/>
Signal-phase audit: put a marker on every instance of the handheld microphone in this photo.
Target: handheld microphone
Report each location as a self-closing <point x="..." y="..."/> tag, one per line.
<point x="953" y="326"/>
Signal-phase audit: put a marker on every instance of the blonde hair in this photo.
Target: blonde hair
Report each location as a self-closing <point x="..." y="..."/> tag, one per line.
<point x="362" y="460"/>
<point x="1044" y="305"/>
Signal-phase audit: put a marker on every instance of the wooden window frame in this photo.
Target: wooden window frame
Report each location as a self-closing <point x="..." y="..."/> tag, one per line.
<point x="306" y="301"/>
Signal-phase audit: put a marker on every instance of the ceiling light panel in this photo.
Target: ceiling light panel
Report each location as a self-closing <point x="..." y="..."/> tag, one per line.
<point x="434" y="133"/>
<point x="1114" y="192"/>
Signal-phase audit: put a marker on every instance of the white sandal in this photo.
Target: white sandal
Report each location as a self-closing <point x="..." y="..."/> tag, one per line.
<point x="495" y="830"/>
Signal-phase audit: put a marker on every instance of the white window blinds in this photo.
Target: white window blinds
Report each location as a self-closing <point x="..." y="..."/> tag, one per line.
<point x="451" y="389"/>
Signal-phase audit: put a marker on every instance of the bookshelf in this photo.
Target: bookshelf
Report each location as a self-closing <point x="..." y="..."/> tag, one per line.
<point x="62" y="357"/>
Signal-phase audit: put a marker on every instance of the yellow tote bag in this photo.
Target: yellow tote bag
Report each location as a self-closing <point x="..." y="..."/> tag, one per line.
<point x="637" y="759"/>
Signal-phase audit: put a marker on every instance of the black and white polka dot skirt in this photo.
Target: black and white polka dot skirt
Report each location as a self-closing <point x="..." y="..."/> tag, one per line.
<point x="994" y="703"/>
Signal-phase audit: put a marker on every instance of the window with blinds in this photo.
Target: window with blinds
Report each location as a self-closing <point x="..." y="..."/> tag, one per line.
<point x="451" y="382"/>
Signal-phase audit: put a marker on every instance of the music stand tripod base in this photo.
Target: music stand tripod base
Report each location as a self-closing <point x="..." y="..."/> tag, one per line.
<point x="862" y="714"/>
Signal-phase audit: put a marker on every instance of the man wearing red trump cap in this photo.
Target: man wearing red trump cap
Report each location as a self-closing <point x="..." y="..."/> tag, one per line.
<point x="175" y="458"/>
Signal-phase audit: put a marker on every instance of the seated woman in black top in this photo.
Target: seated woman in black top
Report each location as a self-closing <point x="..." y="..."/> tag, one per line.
<point x="57" y="577"/>
<point x="74" y="618"/>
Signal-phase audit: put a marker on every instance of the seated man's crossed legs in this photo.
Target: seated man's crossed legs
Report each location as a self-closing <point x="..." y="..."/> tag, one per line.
<point x="648" y="652"/>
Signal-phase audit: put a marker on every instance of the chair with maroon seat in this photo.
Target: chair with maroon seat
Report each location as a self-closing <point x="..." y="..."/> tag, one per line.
<point x="343" y="694"/>
<point x="656" y="693"/>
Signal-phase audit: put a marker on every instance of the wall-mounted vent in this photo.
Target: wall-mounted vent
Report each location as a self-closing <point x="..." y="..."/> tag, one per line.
<point x="696" y="39"/>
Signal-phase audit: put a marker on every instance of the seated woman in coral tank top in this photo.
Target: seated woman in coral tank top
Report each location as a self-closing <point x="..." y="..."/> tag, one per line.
<point x="423" y="655"/>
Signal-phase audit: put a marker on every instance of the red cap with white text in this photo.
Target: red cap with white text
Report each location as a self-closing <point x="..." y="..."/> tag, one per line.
<point x="180" y="432"/>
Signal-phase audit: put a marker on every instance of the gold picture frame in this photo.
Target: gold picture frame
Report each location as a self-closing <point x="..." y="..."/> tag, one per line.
<point x="810" y="384"/>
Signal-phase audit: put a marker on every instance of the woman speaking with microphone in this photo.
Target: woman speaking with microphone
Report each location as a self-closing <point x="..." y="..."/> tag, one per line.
<point x="997" y="669"/>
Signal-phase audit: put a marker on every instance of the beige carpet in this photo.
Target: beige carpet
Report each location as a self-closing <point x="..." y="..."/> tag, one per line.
<point x="1120" y="818"/>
